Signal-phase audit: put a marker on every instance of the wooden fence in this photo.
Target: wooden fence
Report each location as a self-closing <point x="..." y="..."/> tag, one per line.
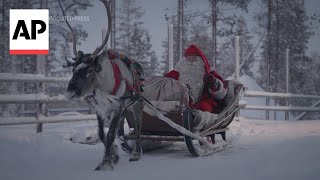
<point x="42" y="99"/>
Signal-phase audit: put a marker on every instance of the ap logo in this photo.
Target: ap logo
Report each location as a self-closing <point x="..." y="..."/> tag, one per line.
<point x="29" y="31"/>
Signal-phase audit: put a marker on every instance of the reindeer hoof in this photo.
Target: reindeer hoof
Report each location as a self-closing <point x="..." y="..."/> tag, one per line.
<point x="108" y="164"/>
<point x="135" y="157"/>
<point x="115" y="159"/>
<point x="104" y="167"/>
<point x="97" y="168"/>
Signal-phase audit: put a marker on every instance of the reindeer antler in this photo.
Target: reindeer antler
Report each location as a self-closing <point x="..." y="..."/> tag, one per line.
<point x="107" y="6"/>
<point x="69" y="62"/>
<point x="74" y="37"/>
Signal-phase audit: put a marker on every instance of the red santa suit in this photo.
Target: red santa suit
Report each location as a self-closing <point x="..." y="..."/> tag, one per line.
<point x="206" y="87"/>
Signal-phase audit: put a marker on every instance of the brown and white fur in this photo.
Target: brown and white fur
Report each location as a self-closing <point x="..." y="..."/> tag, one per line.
<point x="93" y="78"/>
<point x="109" y="108"/>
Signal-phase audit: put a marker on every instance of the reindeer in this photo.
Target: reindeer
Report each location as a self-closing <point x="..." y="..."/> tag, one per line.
<point x="109" y="85"/>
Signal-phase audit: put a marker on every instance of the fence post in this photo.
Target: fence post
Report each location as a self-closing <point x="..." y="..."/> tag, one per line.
<point x="237" y="58"/>
<point x="180" y="27"/>
<point x="287" y="82"/>
<point x="170" y="46"/>
<point x="113" y="26"/>
<point x="41" y="107"/>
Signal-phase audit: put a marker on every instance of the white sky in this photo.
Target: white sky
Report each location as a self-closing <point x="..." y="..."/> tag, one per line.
<point x="155" y="22"/>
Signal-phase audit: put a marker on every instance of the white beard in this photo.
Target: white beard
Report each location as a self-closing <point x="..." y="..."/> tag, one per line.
<point x="192" y="73"/>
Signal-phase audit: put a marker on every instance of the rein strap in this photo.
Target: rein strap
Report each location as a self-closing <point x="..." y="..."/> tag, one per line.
<point x="117" y="77"/>
<point x="133" y="66"/>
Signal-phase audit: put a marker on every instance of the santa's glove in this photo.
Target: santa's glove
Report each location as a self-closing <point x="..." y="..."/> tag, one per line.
<point x="209" y="79"/>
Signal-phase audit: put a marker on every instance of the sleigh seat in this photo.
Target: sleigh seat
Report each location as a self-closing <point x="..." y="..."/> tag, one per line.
<point x="172" y="104"/>
<point x="171" y="98"/>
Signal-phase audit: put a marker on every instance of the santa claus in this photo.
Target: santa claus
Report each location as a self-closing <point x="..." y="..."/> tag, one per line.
<point x="207" y="88"/>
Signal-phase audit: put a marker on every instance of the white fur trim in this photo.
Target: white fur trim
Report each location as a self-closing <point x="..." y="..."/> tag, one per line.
<point x="221" y="92"/>
<point x="191" y="73"/>
<point x="202" y="118"/>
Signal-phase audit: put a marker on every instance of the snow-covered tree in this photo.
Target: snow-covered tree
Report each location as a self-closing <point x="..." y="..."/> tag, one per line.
<point x="133" y="39"/>
<point x="288" y="26"/>
<point x="314" y="74"/>
<point x="226" y="55"/>
<point x="59" y="36"/>
<point x="128" y="19"/>
<point x="221" y="23"/>
<point x="156" y="65"/>
<point x="165" y="56"/>
<point x="197" y="24"/>
<point x="289" y="29"/>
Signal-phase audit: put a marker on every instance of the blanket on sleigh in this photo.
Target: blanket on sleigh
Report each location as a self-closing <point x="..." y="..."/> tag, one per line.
<point x="163" y="91"/>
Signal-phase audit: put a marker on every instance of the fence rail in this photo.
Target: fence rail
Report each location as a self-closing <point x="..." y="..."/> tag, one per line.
<point x="42" y="98"/>
<point x="20" y="77"/>
<point x="84" y="110"/>
<point x="31" y="98"/>
<point x="278" y="95"/>
<point x="52" y="119"/>
<point x="284" y="108"/>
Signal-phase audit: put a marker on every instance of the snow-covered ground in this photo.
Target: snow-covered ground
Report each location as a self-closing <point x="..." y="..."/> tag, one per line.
<point x="260" y="150"/>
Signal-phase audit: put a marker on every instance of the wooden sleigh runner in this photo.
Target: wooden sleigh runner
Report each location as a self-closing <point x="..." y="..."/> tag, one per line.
<point x="209" y="125"/>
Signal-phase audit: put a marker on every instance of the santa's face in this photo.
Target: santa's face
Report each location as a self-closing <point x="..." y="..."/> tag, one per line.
<point x="191" y="71"/>
<point x="192" y="58"/>
<point x="193" y="63"/>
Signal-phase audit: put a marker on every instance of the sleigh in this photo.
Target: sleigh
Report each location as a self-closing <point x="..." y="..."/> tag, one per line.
<point x="209" y="125"/>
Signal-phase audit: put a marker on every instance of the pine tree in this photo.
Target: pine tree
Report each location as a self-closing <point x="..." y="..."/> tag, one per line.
<point x="61" y="37"/>
<point x="199" y="35"/>
<point x="192" y="19"/>
<point x="226" y="54"/>
<point x="156" y="65"/>
<point x="314" y="75"/>
<point x="222" y="24"/>
<point x="58" y="34"/>
<point x="165" y="56"/>
<point x="133" y="39"/>
<point x="129" y="18"/>
<point x="289" y="29"/>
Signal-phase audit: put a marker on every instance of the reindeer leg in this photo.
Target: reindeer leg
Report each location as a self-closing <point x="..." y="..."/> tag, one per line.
<point x="123" y="141"/>
<point x="102" y="138"/>
<point x="111" y="156"/>
<point x="137" y="113"/>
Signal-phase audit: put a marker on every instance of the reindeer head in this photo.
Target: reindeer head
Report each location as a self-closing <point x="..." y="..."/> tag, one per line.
<point x="85" y="67"/>
<point x="84" y="79"/>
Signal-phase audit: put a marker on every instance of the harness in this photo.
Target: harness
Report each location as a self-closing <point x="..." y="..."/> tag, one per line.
<point x="135" y="69"/>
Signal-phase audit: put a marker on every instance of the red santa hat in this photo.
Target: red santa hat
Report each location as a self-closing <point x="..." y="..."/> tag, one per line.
<point x="194" y="50"/>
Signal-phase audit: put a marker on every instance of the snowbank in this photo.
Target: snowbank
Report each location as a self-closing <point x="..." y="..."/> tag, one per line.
<point x="261" y="150"/>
